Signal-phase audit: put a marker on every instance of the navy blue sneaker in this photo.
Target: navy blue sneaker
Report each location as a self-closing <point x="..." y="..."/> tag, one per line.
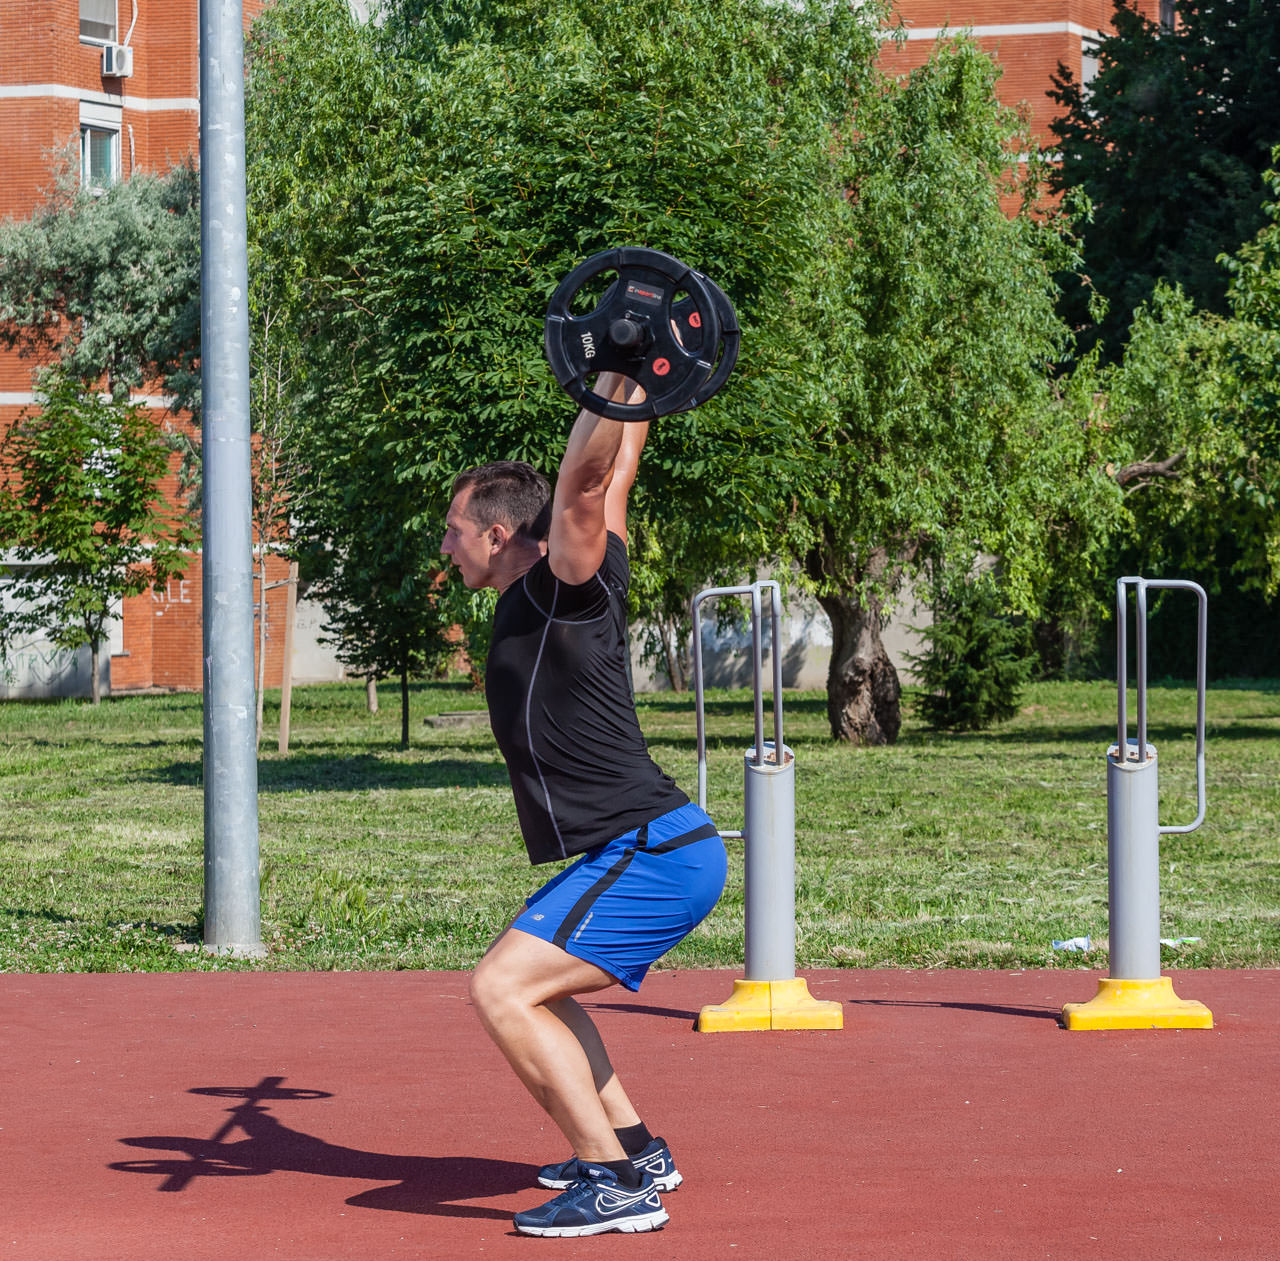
<point x="655" y="1160"/>
<point x="594" y="1204"/>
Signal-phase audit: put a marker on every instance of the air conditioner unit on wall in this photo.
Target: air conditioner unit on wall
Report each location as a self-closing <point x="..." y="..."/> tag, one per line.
<point x="117" y="61"/>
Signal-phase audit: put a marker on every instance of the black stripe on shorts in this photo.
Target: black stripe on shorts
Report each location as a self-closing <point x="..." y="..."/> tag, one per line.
<point x="584" y="904"/>
<point x="701" y="833"/>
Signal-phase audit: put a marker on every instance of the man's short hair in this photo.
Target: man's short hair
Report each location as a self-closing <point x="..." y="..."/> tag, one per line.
<point x="510" y="493"/>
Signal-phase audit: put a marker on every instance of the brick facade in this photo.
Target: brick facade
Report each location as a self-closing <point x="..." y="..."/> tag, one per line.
<point x="1029" y="40"/>
<point x="163" y="629"/>
<point x="51" y="83"/>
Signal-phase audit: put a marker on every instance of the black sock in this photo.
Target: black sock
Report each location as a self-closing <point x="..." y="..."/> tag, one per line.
<point x="628" y="1174"/>
<point x="634" y="1138"/>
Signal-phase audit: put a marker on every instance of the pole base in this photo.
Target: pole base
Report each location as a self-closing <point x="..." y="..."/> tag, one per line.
<point x="246" y="950"/>
<point x="1121" y="1004"/>
<point x="770" y="1005"/>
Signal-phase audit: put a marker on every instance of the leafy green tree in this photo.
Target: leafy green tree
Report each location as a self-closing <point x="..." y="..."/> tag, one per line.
<point x="892" y="402"/>
<point x="1191" y="412"/>
<point x="381" y="592"/>
<point x="81" y="513"/>
<point x="108" y="283"/>
<point x="1169" y="143"/>
<point x="1184" y="425"/>
<point x="533" y="137"/>
<point x="325" y="124"/>
<point x="930" y="413"/>
<point x="1254" y="295"/>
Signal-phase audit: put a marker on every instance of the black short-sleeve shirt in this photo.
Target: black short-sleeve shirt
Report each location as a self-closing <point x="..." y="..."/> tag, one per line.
<point x="563" y="713"/>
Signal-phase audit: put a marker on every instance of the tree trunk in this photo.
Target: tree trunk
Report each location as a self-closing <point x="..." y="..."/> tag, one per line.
<point x="404" y="708"/>
<point x="670" y="632"/>
<point x="863" y="693"/>
<point x="95" y="683"/>
<point x="371" y="693"/>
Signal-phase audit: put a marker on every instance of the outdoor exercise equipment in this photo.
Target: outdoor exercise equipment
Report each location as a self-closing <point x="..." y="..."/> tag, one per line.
<point x="630" y="331"/>
<point x="770" y="996"/>
<point x="1135" y="995"/>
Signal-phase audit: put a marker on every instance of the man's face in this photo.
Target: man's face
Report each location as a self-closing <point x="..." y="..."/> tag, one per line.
<point x="467" y="545"/>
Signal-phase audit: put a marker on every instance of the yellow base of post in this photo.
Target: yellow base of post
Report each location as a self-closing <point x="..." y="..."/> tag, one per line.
<point x="770" y="1005"/>
<point x="1122" y="1004"/>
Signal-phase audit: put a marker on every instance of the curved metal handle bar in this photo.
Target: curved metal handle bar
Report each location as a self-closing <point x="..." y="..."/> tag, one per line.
<point x="1123" y="744"/>
<point x="753" y="590"/>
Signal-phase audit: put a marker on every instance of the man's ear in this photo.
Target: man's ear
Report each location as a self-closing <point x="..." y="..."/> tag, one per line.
<point x="499" y="537"/>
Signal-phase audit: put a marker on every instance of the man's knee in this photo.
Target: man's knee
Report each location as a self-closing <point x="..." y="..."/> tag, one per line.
<point x="490" y="989"/>
<point x="521" y="972"/>
<point x="502" y="984"/>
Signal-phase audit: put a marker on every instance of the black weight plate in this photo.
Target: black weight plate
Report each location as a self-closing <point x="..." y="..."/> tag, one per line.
<point x="579" y="346"/>
<point x="689" y="321"/>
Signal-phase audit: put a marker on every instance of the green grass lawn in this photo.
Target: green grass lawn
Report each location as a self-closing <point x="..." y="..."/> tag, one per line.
<point x="942" y="851"/>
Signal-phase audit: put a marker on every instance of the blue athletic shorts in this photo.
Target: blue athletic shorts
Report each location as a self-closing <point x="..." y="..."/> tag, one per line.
<point x="627" y="902"/>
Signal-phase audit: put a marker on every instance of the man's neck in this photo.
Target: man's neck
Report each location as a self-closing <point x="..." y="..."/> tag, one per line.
<point x="519" y="557"/>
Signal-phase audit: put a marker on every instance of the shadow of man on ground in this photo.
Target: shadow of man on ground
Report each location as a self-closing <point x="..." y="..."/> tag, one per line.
<point x="419" y="1184"/>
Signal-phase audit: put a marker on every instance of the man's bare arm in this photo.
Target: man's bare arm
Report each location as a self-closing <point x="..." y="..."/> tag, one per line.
<point x="596" y="475"/>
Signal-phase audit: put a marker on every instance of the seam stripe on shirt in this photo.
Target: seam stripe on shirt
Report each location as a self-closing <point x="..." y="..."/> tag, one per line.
<point x="528" y="719"/>
<point x="570" y="621"/>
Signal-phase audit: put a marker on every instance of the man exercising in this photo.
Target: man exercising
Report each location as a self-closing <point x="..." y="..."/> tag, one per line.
<point x="649" y="865"/>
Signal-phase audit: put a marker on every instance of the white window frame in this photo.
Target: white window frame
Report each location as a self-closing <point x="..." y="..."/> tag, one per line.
<point x="102" y="119"/>
<point x="98" y="41"/>
<point x="1088" y="62"/>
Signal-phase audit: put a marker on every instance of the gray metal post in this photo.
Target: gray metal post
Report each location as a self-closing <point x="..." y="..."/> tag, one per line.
<point x="232" y="922"/>
<point x="1133" y="861"/>
<point x="769" y="796"/>
<point x="768" y="820"/>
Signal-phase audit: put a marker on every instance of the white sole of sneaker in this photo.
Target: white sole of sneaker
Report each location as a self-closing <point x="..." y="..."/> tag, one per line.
<point x="668" y="1182"/>
<point x="631" y="1226"/>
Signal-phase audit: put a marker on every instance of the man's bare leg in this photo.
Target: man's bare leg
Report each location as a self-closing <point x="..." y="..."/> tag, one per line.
<point x="520" y="990"/>
<point x="617" y="1106"/>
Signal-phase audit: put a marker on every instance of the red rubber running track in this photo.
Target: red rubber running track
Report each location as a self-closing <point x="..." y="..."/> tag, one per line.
<point x="364" y="1115"/>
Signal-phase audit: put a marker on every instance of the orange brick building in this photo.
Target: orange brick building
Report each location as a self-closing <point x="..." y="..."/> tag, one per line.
<point x="1029" y="39"/>
<point x="120" y="80"/>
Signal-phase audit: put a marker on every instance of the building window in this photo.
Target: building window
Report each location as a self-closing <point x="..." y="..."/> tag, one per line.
<point x="100" y="128"/>
<point x="98" y="21"/>
<point x="1088" y="63"/>
<point x="99" y="157"/>
<point x="1168" y="14"/>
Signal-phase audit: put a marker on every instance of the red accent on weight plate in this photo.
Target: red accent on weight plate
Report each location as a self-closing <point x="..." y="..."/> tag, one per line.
<point x="661" y="367"/>
<point x="695" y="320"/>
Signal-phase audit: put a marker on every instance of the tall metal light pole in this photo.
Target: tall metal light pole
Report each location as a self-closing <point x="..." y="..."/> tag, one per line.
<point x="231" y="911"/>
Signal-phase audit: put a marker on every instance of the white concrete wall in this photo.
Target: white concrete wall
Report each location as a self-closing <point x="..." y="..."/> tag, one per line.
<point x="313" y="662"/>
<point x="35" y="669"/>
<point x="806" y="638"/>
